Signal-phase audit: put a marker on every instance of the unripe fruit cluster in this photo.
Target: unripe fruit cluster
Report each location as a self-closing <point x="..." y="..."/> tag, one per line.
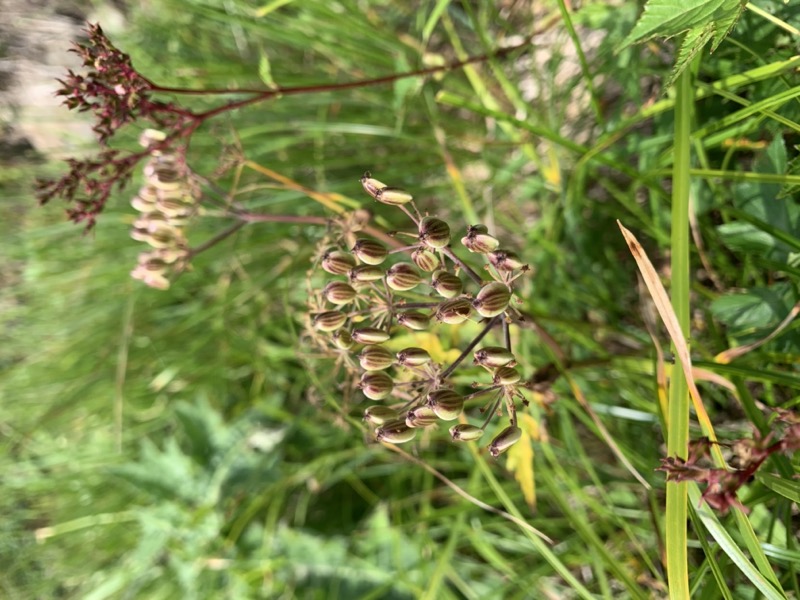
<point x="165" y="202"/>
<point x="375" y="295"/>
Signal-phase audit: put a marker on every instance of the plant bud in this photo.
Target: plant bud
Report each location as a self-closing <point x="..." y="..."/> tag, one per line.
<point x="337" y="262"/>
<point x="454" y="311"/>
<point x="370" y="335"/>
<point x="492" y="300"/>
<point x="378" y="415"/>
<point x="503" y="260"/>
<point x="338" y="292"/>
<point x="176" y="205"/>
<point x="376" y="385"/>
<point x="370" y="185"/>
<point x="414" y="320"/>
<point x="402" y="277"/>
<point x="465" y="433"/>
<point x="446" y="404"/>
<point x="329" y="321"/>
<point x="478" y="240"/>
<point x="343" y="340"/>
<point x="504" y="440"/>
<point x="425" y="260"/>
<point x="493" y="357"/>
<point x="446" y="284"/>
<point x="393" y="196"/>
<point x="370" y="252"/>
<point x="413" y="357"/>
<point x="375" y="358"/>
<point x="506" y="376"/>
<point x="395" y="432"/>
<point x="421" y="416"/>
<point x="434" y="232"/>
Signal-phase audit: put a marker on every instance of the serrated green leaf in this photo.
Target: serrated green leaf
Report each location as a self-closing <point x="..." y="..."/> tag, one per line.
<point x="700" y="20"/>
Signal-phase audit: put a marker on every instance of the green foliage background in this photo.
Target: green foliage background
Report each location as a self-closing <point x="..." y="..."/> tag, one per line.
<point x="189" y="444"/>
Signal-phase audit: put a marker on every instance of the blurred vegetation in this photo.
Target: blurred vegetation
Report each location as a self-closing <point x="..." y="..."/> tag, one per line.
<point x="188" y="444"/>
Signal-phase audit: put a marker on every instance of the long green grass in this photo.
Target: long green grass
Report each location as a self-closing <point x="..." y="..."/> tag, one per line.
<point x="192" y="444"/>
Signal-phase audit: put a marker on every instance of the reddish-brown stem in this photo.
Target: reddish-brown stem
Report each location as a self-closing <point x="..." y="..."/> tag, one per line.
<point x="446" y="373"/>
<point x="261" y="94"/>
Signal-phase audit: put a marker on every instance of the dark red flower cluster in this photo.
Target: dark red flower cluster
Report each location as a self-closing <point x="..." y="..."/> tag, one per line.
<point x="117" y="95"/>
<point x="748" y="456"/>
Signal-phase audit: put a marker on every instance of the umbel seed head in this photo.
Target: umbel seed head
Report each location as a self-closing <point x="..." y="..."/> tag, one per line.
<point x="378" y="414"/>
<point x="370" y="185"/>
<point x="446" y="403"/>
<point x="465" y="433"/>
<point x="425" y="260"/>
<point x="478" y="240"/>
<point x="375" y="358"/>
<point x="503" y="260"/>
<point x="393" y="196"/>
<point x="492" y="300"/>
<point x="414" y="320"/>
<point x="413" y="357"/>
<point x="370" y="252"/>
<point x="337" y="262"/>
<point x="402" y="277"/>
<point x="421" y="416"/>
<point x="504" y="440"/>
<point x="434" y="232"/>
<point x="376" y="385"/>
<point x="454" y="311"/>
<point x="493" y="357"/>
<point x="329" y="321"/>
<point x="370" y="335"/>
<point x="446" y="284"/>
<point x="338" y="292"/>
<point x="395" y="432"/>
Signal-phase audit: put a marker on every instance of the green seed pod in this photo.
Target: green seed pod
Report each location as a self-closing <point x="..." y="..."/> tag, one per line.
<point x="337" y="262"/>
<point x="446" y="404"/>
<point x="338" y="292"/>
<point x="393" y="196"/>
<point x="370" y="252"/>
<point x="395" y="432"/>
<point x="425" y="260"/>
<point x="370" y="335"/>
<point x="376" y="385"/>
<point x="365" y="273"/>
<point x="416" y="321"/>
<point x="421" y="416"/>
<point x="378" y="415"/>
<point x="503" y="260"/>
<point x="446" y="284"/>
<point x="434" y="232"/>
<point x="402" y="277"/>
<point x="370" y="185"/>
<point x="413" y="357"/>
<point x="478" y="240"/>
<point x="504" y="440"/>
<point x="343" y="340"/>
<point x="454" y="311"/>
<point x="329" y="321"/>
<point x="465" y="433"/>
<point x="492" y="300"/>
<point x="375" y="358"/>
<point x="493" y="357"/>
<point x="506" y="376"/>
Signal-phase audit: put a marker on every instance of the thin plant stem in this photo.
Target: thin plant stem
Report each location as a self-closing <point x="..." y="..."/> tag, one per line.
<point x="446" y="373"/>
